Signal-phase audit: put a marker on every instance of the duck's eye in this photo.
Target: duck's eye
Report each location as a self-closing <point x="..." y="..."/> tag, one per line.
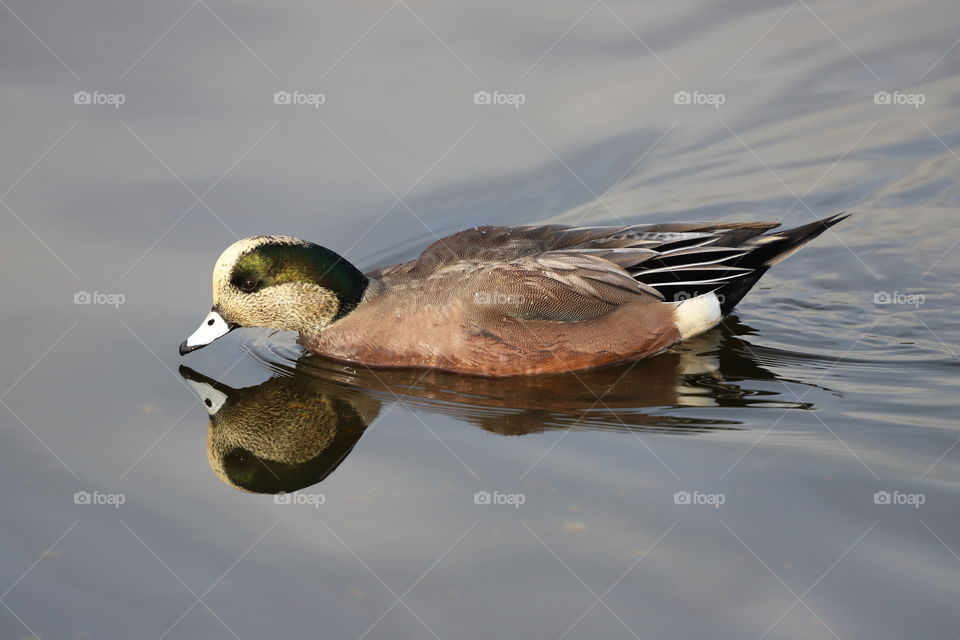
<point x="247" y="284"/>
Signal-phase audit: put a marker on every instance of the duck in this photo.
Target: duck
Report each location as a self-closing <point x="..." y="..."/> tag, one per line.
<point x="501" y="301"/>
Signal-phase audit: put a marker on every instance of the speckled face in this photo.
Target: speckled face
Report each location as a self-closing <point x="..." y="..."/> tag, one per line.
<point x="277" y="282"/>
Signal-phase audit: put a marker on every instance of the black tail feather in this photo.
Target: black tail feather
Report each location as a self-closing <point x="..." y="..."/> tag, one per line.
<point x="766" y="251"/>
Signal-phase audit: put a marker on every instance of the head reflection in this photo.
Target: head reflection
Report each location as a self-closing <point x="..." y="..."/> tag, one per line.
<point x="282" y="435"/>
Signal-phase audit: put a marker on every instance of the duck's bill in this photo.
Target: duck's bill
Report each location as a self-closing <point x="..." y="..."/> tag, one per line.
<point x="212" y="399"/>
<point x="212" y="327"/>
<point x="213" y="393"/>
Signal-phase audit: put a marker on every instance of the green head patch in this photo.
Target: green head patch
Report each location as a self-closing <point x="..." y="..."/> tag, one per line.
<point x="272" y="264"/>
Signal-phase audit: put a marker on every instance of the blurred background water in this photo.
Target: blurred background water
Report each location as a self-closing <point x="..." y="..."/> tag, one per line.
<point x="792" y="474"/>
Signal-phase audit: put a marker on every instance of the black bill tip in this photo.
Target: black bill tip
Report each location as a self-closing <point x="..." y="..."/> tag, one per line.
<point x="185" y="349"/>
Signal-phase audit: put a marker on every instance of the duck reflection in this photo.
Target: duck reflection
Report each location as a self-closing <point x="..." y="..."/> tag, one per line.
<point x="282" y="435"/>
<point x="293" y="430"/>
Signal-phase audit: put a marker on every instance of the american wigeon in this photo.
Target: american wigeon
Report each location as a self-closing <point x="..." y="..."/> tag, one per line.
<point x="502" y="301"/>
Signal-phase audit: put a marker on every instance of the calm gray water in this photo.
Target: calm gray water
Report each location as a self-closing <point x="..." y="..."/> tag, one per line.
<point x="792" y="474"/>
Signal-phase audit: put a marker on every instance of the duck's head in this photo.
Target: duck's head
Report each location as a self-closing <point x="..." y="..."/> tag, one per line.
<point x="278" y="282"/>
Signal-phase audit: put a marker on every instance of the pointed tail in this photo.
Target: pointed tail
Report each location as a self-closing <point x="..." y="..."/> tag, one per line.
<point x="768" y="250"/>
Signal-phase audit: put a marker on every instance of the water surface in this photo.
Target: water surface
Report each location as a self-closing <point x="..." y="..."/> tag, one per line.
<point x="791" y="474"/>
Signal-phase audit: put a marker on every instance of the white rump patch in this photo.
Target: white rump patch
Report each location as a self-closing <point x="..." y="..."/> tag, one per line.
<point x="695" y="315"/>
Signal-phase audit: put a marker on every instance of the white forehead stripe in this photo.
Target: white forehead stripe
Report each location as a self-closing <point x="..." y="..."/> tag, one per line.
<point x="231" y="254"/>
